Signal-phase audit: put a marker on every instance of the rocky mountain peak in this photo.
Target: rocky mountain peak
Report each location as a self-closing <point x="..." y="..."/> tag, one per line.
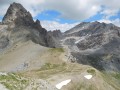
<point x="37" y="24"/>
<point x="56" y="33"/>
<point x="88" y="28"/>
<point x="19" y="22"/>
<point x="17" y="15"/>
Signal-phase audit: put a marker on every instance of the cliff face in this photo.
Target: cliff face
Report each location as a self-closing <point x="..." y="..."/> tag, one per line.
<point x="18" y="15"/>
<point x="96" y="44"/>
<point x="53" y="38"/>
<point x="18" y="26"/>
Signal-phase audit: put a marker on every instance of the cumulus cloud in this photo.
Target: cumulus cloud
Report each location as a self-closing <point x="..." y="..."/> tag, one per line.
<point x="105" y="21"/>
<point x="109" y="12"/>
<point x="30" y="5"/>
<point x="69" y="9"/>
<point x="74" y="9"/>
<point x="53" y="25"/>
<point x="115" y="22"/>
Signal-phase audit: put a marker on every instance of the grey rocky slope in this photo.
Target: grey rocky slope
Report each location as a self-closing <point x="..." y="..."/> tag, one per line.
<point x="18" y="26"/>
<point x="18" y="29"/>
<point x="96" y="44"/>
<point x="54" y="37"/>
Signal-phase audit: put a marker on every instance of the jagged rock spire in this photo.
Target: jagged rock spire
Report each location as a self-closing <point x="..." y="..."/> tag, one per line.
<point x="18" y="15"/>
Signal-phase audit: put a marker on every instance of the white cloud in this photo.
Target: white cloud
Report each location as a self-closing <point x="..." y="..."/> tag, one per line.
<point x="53" y="25"/>
<point x="72" y="9"/>
<point x="69" y="9"/>
<point x="3" y="9"/>
<point x="111" y="7"/>
<point x="105" y="21"/>
<point x="109" y="12"/>
<point x="30" y="5"/>
<point x="115" y="22"/>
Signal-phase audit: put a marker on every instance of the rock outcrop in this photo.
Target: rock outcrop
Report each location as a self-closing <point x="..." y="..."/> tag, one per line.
<point x="56" y="33"/>
<point x="53" y="38"/>
<point x="18" y="15"/>
<point x="97" y="44"/>
<point x="18" y="26"/>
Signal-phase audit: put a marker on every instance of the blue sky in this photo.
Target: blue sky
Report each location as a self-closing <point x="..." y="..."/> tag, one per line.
<point x="52" y="15"/>
<point x="1" y="18"/>
<point x="67" y="13"/>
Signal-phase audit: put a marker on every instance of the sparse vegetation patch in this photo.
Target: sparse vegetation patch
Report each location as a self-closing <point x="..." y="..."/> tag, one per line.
<point x="13" y="81"/>
<point x="57" y="50"/>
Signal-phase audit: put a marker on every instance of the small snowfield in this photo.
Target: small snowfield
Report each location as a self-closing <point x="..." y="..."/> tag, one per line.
<point x="61" y="84"/>
<point x="1" y="73"/>
<point x="88" y="77"/>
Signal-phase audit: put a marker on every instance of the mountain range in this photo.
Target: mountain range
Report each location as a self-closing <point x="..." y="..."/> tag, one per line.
<point x="32" y="58"/>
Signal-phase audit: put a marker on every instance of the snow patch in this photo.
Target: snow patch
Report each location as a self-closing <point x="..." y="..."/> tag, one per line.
<point x="1" y="73"/>
<point x="82" y="38"/>
<point x="88" y="76"/>
<point x="3" y="87"/>
<point x="61" y="84"/>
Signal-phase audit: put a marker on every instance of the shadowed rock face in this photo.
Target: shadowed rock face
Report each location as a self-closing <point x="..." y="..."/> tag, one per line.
<point x="53" y="38"/>
<point x="18" y="15"/>
<point x="18" y="26"/>
<point x="21" y="26"/>
<point x="92" y="41"/>
<point x="37" y="24"/>
<point x="56" y="33"/>
<point x="98" y="45"/>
